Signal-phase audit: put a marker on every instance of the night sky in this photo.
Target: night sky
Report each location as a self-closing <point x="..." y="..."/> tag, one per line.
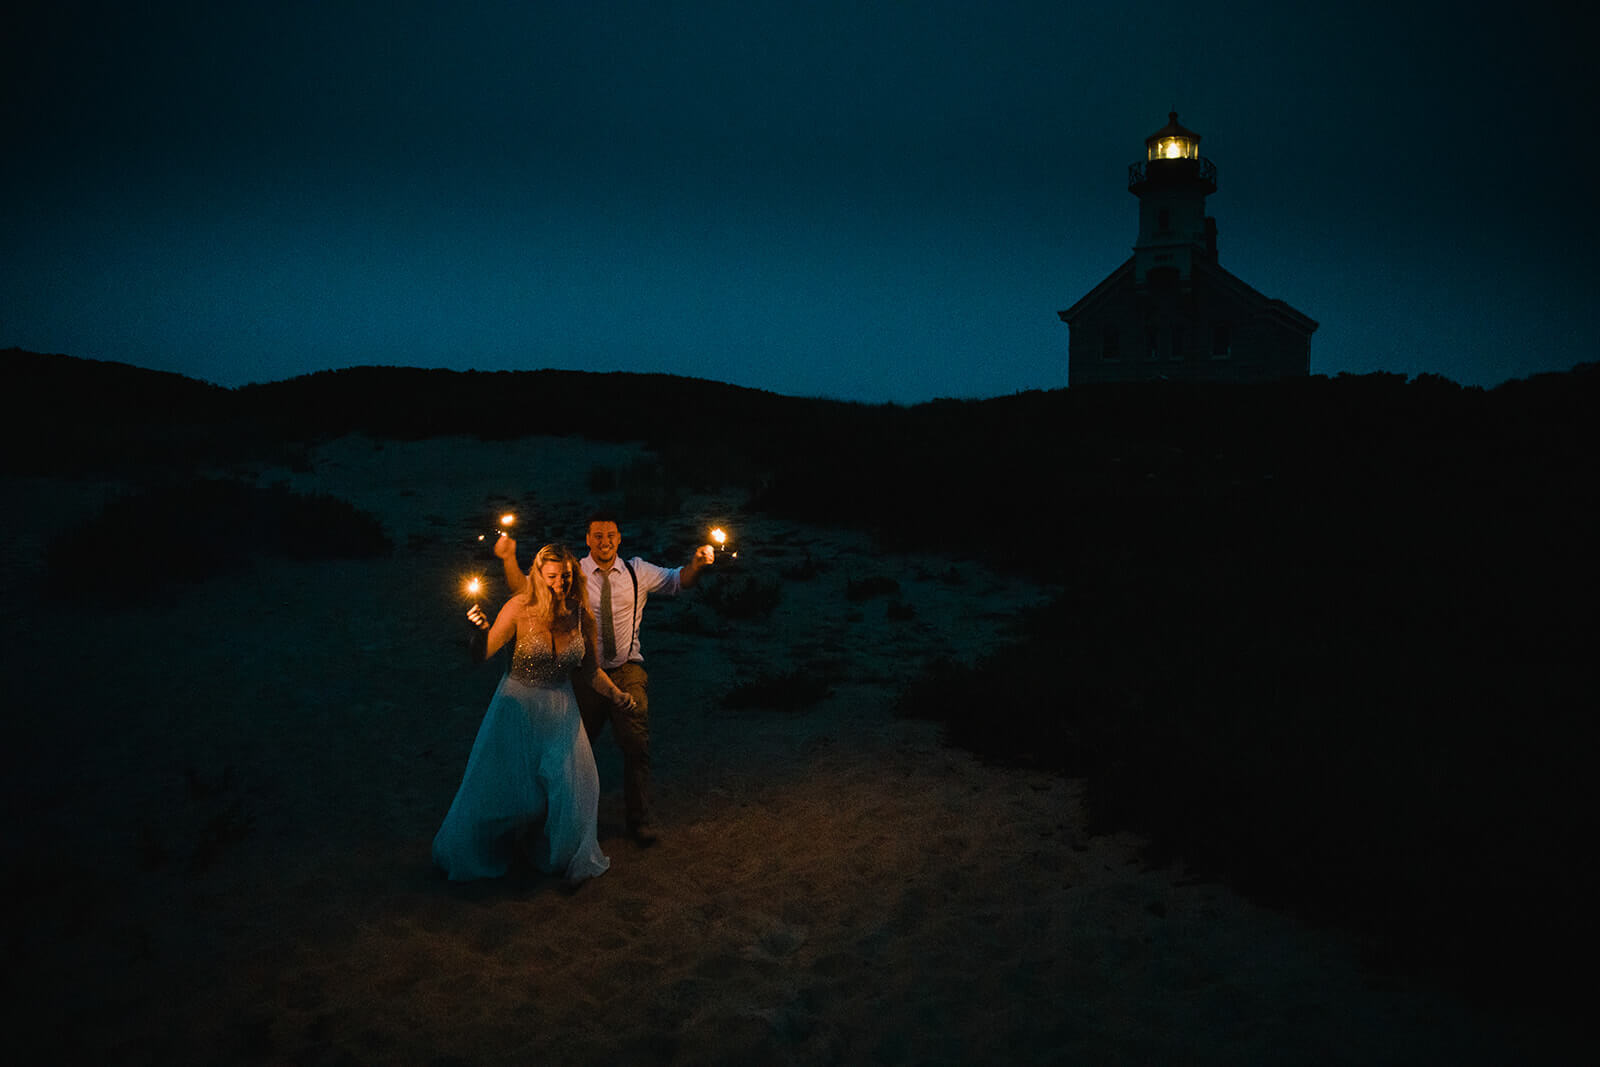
<point x="865" y="200"/>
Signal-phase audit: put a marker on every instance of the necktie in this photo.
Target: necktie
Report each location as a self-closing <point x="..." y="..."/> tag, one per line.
<point x="608" y="632"/>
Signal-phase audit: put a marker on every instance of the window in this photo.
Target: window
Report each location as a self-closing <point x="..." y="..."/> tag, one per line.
<point x="1109" y="348"/>
<point x="1221" y="341"/>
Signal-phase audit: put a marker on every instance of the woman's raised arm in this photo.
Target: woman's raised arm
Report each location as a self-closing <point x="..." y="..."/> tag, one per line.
<point x="493" y="638"/>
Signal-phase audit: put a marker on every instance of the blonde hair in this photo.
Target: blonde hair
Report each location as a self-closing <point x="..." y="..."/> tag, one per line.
<point x="543" y="599"/>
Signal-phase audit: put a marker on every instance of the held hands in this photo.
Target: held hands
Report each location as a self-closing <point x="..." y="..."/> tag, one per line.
<point x="624" y="701"/>
<point x="478" y="618"/>
<point x="505" y="546"/>
<point x="705" y="555"/>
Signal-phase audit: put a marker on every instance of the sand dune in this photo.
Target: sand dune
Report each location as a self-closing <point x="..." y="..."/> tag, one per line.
<point x="222" y="808"/>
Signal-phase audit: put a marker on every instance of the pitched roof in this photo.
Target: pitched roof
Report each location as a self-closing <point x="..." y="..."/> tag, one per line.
<point x="1093" y="295"/>
<point x="1217" y="275"/>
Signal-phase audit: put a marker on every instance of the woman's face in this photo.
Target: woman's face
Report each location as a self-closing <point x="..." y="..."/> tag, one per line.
<point x="558" y="578"/>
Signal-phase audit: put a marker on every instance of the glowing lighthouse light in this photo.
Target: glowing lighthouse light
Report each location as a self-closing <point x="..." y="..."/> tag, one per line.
<point x="1172" y="141"/>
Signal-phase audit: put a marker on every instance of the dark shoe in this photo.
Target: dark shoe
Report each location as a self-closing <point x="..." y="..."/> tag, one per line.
<point x="644" y="835"/>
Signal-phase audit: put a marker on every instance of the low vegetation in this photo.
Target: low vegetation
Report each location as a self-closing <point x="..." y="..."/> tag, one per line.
<point x="1330" y="639"/>
<point x="151" y="542"/>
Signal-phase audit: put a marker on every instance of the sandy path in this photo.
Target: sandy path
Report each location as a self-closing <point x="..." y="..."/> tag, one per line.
<point x="224" y="805"/>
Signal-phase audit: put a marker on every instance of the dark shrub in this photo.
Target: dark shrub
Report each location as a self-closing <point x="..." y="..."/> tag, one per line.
<point x="602" y="479"/>
<point x="867" y="588"/>
<point x="742" y="596"/>
<point x="793" y="691"/>
<point x="145" y="543"/>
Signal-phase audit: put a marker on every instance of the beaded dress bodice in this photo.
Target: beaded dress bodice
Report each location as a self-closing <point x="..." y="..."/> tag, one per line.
<point x="533" y="662"/>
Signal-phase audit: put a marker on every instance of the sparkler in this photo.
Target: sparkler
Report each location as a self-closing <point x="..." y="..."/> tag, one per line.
<point x="508" y="520"/>
<point x="719" y="538"/>
<point x="473" y="586"/>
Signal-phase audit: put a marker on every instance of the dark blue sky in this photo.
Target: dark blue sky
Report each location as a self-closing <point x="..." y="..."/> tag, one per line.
<point x="866" y="200"/>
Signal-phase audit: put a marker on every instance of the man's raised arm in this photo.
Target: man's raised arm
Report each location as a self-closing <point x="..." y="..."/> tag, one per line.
<point x="506" y="548"/>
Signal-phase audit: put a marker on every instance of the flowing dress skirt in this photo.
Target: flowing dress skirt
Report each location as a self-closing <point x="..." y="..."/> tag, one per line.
<point x="531" y="776"/>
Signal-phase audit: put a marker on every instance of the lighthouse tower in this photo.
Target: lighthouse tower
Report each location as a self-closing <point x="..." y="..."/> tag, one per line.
<point x="1172" y="183"/>
<point x="1170" y="312"/>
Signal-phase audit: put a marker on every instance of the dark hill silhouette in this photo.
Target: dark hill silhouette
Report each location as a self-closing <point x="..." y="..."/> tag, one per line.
<point x="61" y="414"/>
<point x="1329" y="638"/>
<point x="118" y="391"/>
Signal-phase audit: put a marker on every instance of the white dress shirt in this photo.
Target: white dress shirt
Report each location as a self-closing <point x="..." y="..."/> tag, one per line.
<point x="625" y="613"/>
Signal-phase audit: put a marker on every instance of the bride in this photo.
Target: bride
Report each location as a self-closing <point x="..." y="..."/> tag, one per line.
<point x="531" y="781"/>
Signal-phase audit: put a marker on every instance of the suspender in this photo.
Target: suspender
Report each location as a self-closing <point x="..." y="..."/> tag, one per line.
<point x="634" y="633"/>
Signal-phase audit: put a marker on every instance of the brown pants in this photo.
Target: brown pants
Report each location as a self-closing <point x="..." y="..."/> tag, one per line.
<point x="631" y="729"/>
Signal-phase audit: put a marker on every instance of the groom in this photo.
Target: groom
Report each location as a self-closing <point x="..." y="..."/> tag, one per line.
<point x="616" y="590"/>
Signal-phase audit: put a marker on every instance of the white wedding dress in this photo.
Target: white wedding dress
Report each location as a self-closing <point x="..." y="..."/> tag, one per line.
<point x="530" y="780"/>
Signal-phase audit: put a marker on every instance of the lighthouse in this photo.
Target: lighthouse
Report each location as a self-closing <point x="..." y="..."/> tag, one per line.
<point x="1172" y="183"/>
<point x="1170" y="311"/>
